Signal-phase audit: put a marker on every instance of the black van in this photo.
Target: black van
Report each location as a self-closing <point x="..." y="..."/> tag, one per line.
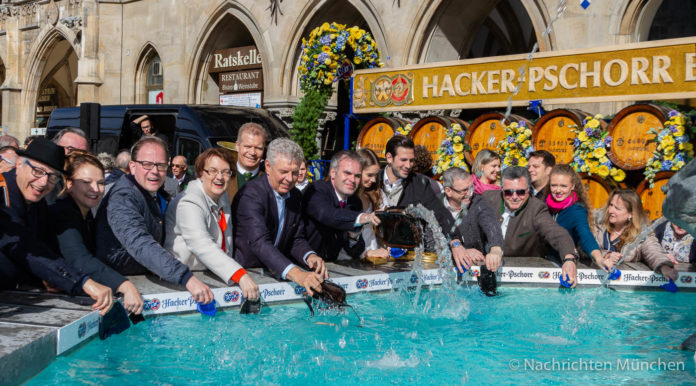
<point x="190" y="129"/>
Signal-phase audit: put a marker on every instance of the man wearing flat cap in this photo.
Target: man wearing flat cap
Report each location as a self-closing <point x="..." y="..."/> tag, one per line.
<point x="24" y="221"/>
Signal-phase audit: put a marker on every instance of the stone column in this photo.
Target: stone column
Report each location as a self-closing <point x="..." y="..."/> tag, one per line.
<point x="88" y="79"/>
<point x="11" y="89"/>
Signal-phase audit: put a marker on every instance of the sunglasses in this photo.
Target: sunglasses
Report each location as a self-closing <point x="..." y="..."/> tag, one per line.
<point x="511" y="192"/>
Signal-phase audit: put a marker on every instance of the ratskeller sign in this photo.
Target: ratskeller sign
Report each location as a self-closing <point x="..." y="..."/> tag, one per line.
<point x="663" y="69"/>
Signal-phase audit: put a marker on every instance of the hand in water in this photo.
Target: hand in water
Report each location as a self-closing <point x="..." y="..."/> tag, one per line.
<point x="570" y="273"/>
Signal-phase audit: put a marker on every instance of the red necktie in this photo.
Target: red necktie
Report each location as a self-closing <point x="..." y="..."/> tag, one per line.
<point x="223" y="227"/>
<point x="342" y="204"/>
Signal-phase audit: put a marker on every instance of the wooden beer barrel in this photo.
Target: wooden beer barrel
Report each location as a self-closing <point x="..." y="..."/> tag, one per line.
<point x="598" y="189"/>
<point x="631" y="147"/>
<point x="552" y="133"/>
<point x="376" y="132"/>
<point x="653" y="197"/>
<point x="485" y="132"/>
<point x="431" y="131"/>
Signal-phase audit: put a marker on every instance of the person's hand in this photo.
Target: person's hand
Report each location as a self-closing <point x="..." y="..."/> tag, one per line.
<point x="369" y="218"/>
<point x="132" y="300"/>
<point x="380" y="252"/>
<point x="200" y="292"/>
<point x="493" y="259"/>
<point x="570" y="273"/>
<point x="461" y="258"/>
<point x="101" y="294"/>
<point x="669" y="272"/>
<point x="316" y="264"/>
<point x="250" y="289"/>
<point x="612" y="258"/>
<point x="672" y="259"/>
<point x="311" y="281"/>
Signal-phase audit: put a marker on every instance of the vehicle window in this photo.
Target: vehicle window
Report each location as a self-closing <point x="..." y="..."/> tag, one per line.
<point x="190" y="149"/>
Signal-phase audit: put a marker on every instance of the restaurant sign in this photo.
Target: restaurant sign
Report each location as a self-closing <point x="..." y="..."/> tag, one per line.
<point x="241" y="81"/>
<point x="233" y="59"/>
<point x="663" y="69"/>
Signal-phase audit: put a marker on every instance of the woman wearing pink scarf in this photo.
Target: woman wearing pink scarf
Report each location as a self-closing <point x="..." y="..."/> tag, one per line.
<point x="485" y="171"/>
<point x="568" y="205"/>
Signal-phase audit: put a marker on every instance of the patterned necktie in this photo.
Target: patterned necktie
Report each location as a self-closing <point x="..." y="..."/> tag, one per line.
<point x="223" y="226"/>
<point x="342" y="203"/>
<point x="248" y="175"/>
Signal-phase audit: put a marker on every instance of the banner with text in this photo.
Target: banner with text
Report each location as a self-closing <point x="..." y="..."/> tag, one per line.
<point x="663" y="69"/>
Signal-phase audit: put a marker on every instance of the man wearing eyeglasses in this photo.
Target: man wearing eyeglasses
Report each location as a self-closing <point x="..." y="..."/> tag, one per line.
<point x="179" y="167"/>
<point x="475" y="220"/>
<point x="527" y="227"/>
<point x="130" y="222"/>
<point x="23" y="224"/>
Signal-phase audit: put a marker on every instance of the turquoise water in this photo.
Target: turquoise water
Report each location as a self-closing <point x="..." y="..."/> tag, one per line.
<point x="462" y="338"/>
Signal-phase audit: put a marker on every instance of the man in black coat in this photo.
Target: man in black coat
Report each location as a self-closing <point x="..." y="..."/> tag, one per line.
<point x="23" y="222"/>
<point x="332" y="214"/>
<point x="268" y="227"/>
<point x="401" y="187"/>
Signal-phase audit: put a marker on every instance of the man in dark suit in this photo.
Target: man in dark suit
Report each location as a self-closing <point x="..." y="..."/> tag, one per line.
<point x="332" y="214"/>
<point x="251" y="141"/>
<point x="402" y="187"/>
<point x="539" y="166"/>
<point x="527" y="226"/>
<point x="268" y="227"/>
<point x="179" y="167"/>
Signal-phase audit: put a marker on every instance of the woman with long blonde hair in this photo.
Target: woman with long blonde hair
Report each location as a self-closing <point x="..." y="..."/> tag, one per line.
<point x="622" y="219"/>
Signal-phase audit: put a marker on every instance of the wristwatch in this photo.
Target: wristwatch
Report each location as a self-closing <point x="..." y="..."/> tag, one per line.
<point x="456" y="244"/>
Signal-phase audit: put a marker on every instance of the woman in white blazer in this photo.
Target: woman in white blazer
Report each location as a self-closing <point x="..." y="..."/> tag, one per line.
<point x="199" y="223"/>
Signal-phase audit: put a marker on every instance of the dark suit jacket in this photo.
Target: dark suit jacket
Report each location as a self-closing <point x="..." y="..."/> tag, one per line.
<point x="327" y="224"/>
<point x="417" y="189"/>
<point x="255" y="226"/>
<point x="180" y="187"/>
<point x="532" y="229"/>
<point x="233" y="187"/>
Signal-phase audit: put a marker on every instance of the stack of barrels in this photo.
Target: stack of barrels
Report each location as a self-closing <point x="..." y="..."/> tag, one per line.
<point x="631" y="147"/>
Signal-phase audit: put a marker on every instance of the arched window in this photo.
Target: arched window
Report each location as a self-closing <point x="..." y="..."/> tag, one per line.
<point x="149" y="78"/>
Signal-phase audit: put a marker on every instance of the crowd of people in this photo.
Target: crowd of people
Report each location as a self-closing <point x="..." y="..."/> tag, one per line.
<point x="77" y="223"/>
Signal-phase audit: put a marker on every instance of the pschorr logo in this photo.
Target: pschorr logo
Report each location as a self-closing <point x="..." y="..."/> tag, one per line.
<point x="361" y="284"/>
<point x="152" y="305"/>
<point x="231" y="296"/>
<point x="543" y="275"/>
<point x="414" y="279"/>
<point x="82" y="330"/>
<point x="686" y="279"/>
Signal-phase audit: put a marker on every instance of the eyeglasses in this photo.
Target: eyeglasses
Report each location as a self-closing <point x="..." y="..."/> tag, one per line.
<point x="40" y="173"/>
<point x="467" y="192"/>
<point x="7" y="160"/>
<point x="147" y="165"/>
<point x="214" y="172"/>
<point x="511" y="192"/>
<point x="178" y="166"/>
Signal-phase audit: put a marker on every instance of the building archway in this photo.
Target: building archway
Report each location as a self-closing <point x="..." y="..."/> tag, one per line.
<point x="316" y="13"/>
<point x="52" y="62"/>
<point x="229" y="26"/>
<point x="149" y="77"/>
<point x="485" y="29"/>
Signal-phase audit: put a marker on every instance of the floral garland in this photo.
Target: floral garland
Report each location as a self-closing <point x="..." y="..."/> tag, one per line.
<point x="590" y="155"/>
<point x="516" y="145"/>
<point x="326" y="49"/>
<point x="406" y="130"/>
<point x="451" y="151"/>
<point x="673" y="149"/>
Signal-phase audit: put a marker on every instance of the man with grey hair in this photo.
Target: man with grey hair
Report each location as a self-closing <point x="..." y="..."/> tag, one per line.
<point x="71" y="138"/>
<point x="8" y="158"/>
<point x="332" y="213"/>
<point x="476" y="222"/>
<point x="120" y="167"/>
<point x="527" y="226"/>
<point x="267" y="221"/>
<point x="8" y="140"/>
